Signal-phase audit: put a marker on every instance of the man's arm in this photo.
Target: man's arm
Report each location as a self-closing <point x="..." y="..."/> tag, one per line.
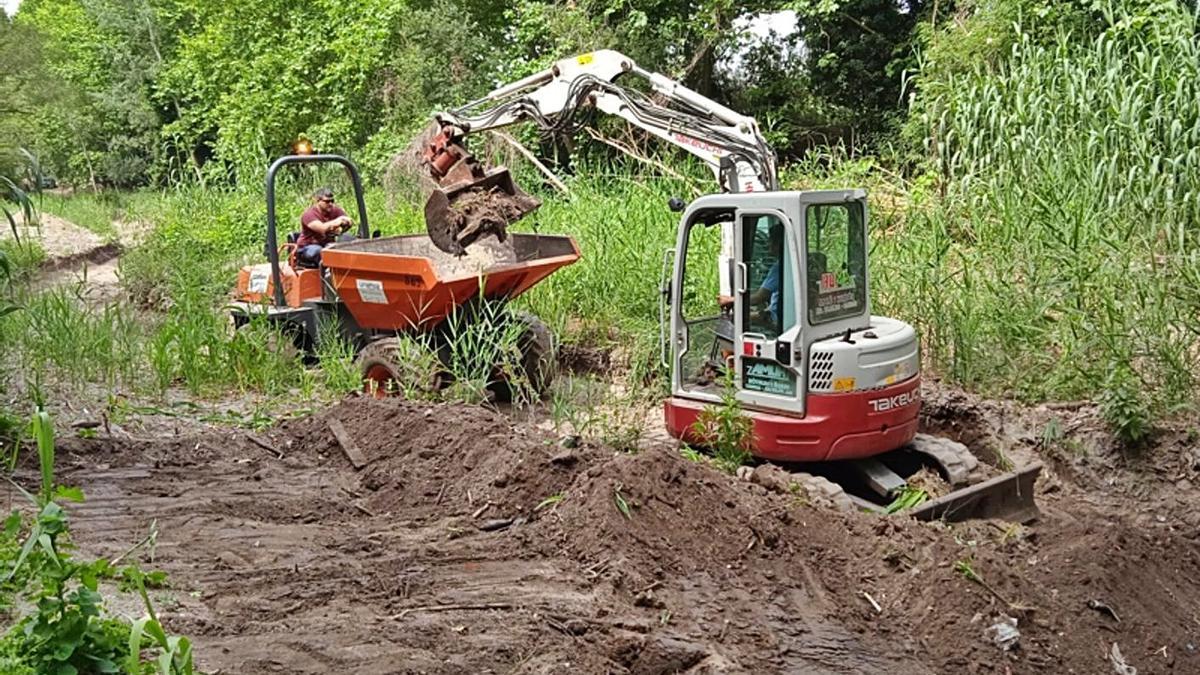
<point x="757" y="297"/>
<point x="763" y="293"/>
<point x="329" y="226"/>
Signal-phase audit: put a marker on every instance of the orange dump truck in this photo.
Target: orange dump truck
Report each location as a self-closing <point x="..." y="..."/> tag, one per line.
<point x="372" y="290"/>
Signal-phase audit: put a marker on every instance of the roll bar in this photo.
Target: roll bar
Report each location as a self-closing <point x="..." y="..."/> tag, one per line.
<point x="364" y="229"/>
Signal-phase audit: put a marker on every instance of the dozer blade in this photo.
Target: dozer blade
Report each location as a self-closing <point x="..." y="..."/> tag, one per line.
<point x="1008" y="497"/>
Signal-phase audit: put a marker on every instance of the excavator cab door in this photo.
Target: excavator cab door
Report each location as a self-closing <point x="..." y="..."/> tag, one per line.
<point x="768" y="350"/>
<point x="755" y="333"/>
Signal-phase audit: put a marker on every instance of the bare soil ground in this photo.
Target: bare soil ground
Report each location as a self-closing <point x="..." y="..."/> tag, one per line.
<point x="76" y="255"/>
<point x="443" y="554"/>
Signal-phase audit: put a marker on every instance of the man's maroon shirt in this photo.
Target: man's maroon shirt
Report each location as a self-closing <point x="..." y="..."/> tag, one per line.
<point x="314" y="215"/>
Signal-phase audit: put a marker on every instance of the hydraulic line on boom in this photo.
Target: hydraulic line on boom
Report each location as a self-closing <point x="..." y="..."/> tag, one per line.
<point x="556" y="100"/>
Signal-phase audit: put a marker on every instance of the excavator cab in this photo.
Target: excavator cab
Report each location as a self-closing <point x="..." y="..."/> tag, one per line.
<point x="803" y="339"/>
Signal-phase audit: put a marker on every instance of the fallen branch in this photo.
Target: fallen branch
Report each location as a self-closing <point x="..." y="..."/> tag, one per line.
<point x="348" y="446"/>
<point x="265" y="446"/>
<point x="561" y="186"/>
<point x="878" y="609"/>
<point x="451" y="608"/>
<point x="621" y="147"/>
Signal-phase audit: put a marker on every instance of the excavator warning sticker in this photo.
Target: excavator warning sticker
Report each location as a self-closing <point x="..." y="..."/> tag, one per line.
<point x="584" y="59"/>
<point x="371" y="291"/>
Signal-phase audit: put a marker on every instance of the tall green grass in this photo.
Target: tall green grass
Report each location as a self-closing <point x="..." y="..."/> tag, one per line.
<point x="1065" y="246"/>
<point x="99" y="212"/>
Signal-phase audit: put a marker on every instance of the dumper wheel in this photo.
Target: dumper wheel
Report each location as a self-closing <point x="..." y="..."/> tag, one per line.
<point x="387" y="372"/>
<point x="537" y="353"/>
<point x="536" y="343"/>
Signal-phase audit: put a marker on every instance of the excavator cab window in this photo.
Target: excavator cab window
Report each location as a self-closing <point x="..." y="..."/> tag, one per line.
<point x="710" y="325"/>
<point x="768" y="283"/>
<point x="837" y="261"/>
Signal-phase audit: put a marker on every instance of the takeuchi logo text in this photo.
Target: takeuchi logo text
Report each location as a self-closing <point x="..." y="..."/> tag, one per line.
<point x="893" y="402"/>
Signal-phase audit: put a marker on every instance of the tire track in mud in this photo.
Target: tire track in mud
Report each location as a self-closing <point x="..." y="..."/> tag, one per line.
<point x="303" y="564"/>
<point x="275" y="569"/>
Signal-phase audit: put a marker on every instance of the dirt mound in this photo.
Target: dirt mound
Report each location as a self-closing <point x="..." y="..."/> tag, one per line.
<point x="474" y="213"/>
<point x="467" y="543"/>
<point x="423" y="458"/>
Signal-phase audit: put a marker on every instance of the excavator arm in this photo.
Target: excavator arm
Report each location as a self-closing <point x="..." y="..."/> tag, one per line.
<point x="728" y="142"/>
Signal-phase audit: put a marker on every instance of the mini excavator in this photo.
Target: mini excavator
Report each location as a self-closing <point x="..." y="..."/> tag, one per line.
<point x="828" y="385"/>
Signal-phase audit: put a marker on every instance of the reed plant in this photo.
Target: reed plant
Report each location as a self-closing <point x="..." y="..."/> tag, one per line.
<point x="1063" y="245"/>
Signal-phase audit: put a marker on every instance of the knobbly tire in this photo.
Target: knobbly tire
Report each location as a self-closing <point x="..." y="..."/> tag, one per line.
<point x="536" y="344"/>
<point x="385" y="373"/>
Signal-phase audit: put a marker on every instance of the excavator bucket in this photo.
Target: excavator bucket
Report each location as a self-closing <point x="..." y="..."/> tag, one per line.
<point x="1008" y="497"/>
<point x="457" y="215"/>
<point x="469" y="201"/>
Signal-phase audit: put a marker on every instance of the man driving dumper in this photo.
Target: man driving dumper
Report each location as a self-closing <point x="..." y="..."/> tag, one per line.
<point x="319" y="226"/>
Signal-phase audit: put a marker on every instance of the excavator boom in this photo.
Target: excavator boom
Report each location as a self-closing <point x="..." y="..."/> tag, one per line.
<point x="472" y="201"/>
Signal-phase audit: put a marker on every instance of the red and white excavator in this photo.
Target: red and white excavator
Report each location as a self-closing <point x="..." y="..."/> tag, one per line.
<point x="787" y="309"/>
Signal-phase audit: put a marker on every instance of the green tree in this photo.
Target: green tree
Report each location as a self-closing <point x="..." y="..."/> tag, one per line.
<point x="101" y="126"/>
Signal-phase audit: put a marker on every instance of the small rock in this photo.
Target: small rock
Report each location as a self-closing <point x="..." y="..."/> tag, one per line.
<point x="743" y="472"/>
<point x="569" y="441"/>
<point x="566" y="458"/>
<point x="647" y="599"/>
<point x="496" y="524"/>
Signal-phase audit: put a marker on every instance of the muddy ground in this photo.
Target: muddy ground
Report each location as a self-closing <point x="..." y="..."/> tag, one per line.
<point x="470" y="543"/>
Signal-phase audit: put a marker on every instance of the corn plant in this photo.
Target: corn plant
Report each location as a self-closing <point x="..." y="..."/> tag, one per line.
<point x="1066" y="239"/>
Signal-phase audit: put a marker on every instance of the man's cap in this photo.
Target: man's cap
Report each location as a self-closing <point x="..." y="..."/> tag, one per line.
<point x="323" y="193"/>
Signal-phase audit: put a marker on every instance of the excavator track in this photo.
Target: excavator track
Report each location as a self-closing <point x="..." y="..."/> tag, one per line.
<point x="953" y="459"/>
<point x="1008" y="496"/>
<point x="973" y="493"/>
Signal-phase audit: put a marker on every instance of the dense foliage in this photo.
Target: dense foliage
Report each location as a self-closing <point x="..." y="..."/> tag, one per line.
<point x="1032" y="163"/>
<point x="141" y="92"/>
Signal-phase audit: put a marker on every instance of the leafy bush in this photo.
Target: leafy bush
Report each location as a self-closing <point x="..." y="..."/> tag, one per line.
<point x="67" y="631"/>
<point x="725" y="430"/>
<point x="1123" y="405"/>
